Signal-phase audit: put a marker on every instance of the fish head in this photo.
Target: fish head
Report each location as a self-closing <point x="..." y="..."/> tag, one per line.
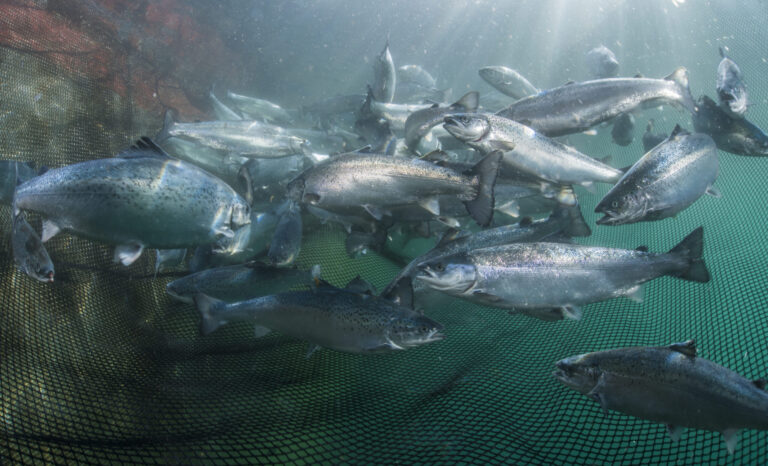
<point x="622" y="206"/>
<point x="241" y="214"/>
<point x="41" y="270"/>
<point x="449" y="277"/>
<point x="295" y="189"/>
<point x="492" y="74"/>
<point x="468" y="127"/>
<point x="578" y="372"/>
<point x="415" y="329"/>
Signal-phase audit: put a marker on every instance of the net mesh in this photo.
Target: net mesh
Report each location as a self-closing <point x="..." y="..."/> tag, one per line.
<point x="102" y="366"/>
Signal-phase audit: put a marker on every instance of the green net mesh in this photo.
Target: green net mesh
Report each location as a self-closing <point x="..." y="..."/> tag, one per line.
<point x="102" y="366"/>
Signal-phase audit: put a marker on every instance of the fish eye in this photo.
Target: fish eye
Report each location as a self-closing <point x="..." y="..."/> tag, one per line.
<point x="439" y="267"/>
<point x="614" y="204"/>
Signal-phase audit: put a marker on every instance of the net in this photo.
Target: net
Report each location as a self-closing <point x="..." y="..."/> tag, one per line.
<point x="102" y="366"/>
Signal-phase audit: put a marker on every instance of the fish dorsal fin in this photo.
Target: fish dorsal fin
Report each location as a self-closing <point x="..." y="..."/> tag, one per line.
<point x="435" y="105"/>
<point x="469" y="102"/>
<point x="642" y="248"/>
<point x="436" y="156"/>
<point x="525" y="222"/>
<point x="146" y="143"/>
<point x="639" y="75"/>
<point x="722" y="51"/>
<point x="569" y="83"/>
<point x="367" y="149"/>
<point x="760" y="383"/>
<point x="687" y="348"/>
<point x="450" y="235"/>
<point x="678" y="131"/>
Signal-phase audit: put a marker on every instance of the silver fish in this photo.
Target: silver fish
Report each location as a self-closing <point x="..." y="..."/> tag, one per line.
<point x="576" y="107"/>
<point x="248" y="138"/>
<point x="735" y="135"/>
<point x="210" y="160"/>
<point x="602" y="63"/>
<point x="541" y="276"/>
<point x="528" y="151"/>
<point x="507" y="81"/>
<point x="328" y="317"/>
<point x="664" y="181"/>
<point x="259" y="108"/>
<point x="286" y="240"/>
<point x="221" y="111"/>
<point x="395" y="114"/>
<point x="29" y="254"/>
<point x="377" y="182"/>
<point x="141" y="198"/>
<point x="420" y="122"/>
<point x="384" y="76"/>
<point x="671" y="385"/>
<point x="240" y="282"/>
<point x="565" y="220"/>
<point x="731" y="89"/>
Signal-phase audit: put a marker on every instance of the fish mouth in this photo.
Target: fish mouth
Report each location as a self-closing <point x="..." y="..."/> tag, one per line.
<point x="608" y="219"/>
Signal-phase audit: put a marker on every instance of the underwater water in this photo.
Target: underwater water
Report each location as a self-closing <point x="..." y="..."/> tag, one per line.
<point x="104" y="365"/>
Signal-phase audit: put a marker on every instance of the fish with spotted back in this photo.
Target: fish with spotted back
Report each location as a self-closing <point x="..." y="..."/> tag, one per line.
<point x="141" y="198"/>
<point x="671" y="385"/>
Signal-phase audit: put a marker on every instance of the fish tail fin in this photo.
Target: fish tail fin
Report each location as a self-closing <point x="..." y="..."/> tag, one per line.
<point x="692" y="248"/>
<point x="168" y="120"/>
<point x="577" y="226"/>
<point x="722" y="51"/>
<point x="486" y="170"/>
<point x="208" y="308"/>
<point x="680" y="77"/>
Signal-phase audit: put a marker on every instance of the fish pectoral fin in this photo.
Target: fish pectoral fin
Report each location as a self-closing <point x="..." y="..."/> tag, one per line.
<point x="597" y="393"/>
<point x="511" y="208"/>
<point x="259" y="331"/>
<point x="635" y="293"/>
<point x="675" y="432"/>
<point x="375" y="211"/>
<point x="571" y="312"/>
<point x="431" y="205"/>
<point x="50" y="230"/>
<point x="714" y="192"/>
<point x="731" y="437"/>
<point x="311" y="350"/>
<point x="127" y="254"/>
<point x="504" y="146"/>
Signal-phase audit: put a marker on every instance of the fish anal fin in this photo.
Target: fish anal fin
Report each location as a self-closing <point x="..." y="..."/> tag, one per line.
<point x="375" y="211"/>
<point x="642" y="248"/>
<point x="525" y="222"/>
